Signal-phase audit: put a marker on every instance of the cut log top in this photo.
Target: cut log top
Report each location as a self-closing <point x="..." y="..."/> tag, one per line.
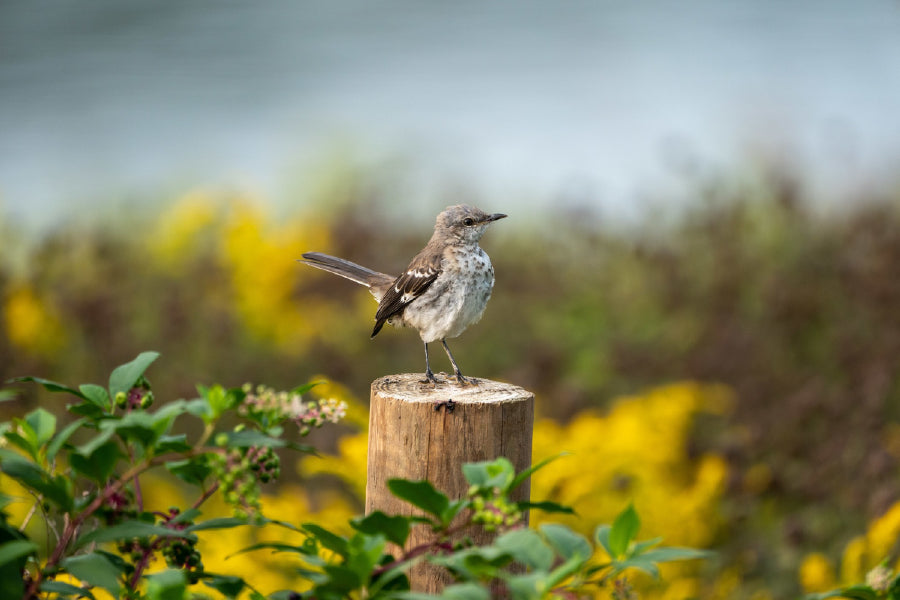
<point x="409" y="387"/>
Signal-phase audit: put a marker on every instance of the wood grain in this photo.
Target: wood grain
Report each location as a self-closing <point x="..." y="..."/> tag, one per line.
<point x="410" y="439"/>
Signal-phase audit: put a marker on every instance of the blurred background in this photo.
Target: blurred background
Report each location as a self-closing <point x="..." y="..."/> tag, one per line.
<point x="699" y="278"/>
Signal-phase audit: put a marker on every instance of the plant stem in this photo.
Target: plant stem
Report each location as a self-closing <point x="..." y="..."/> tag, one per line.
<point x="72" y="525"/>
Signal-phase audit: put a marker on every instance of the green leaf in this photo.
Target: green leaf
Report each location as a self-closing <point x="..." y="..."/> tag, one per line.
<point x="527" y="547"/>
<point x="546" y="506"/>
<point x="217" y="523"/>
<point x="172" y="443"/>
<point x="125" y="376"/>
<point x="65" y="589"/>
<point x="565" y="570"/>
<point x="227" y="585"/>
<point x="55" y="489"/>
<point x="276" y="547"/>
<point x="100" y="464"/>
<point x="96" y="395"/>
<point x="566" y="542"/>
<point x="302" y="389"/>
<point x="95" y="442"/>
<point x="86" y="409"/>
<point x="167" y="585"/>
<point x="601" y="536"/>
<point x="856" y="592"/>
<point x="466" y="591"/>
<point x="328" y="540"/>
<point x="23" y="443"/>
<point x="521" y="477"/>
<point x="7" y="395"/>
<point x="421" y="494"/>
<point x="453" y="509"/>
<point x="640" y="563"/>
<point x="191" y="470"/>
<point x="62" y="437"/>
<point x="136" y="426"/>
<point x="498" y="473"/>
<point x="251" y="437"/>
<point x="642" y="546"/>
<point x="394" y="528"/>
<point x="673" y="553"/>
<point x="623" y="531"/>
<point x="43" y="423"/>
<point x="166" y="415"/>
<point x="218" y="400"/>
<point x="341" y="580"/>
<point x="13" y="550"/>
<point x="96" y="570"/>
<point x="128" y="530"/>
<point x="363" y="553"/>
<point x="476" y="562"/>
<point x="50" y="386"/>
<point x="528" y="586"/>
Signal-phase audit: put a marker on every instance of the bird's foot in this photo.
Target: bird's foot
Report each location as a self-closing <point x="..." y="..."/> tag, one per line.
<point x="465" y="380"/>
<point x="449" y="405"/>
<point x="429" y="378"/>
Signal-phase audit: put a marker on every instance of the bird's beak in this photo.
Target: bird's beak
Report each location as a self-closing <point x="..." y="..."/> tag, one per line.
<point x="495" y="217"/>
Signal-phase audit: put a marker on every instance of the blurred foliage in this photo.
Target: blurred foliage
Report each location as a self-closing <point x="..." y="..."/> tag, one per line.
<point x="794" y="310"/>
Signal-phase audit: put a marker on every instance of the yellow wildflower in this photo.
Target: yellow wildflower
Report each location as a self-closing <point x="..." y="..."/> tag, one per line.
<point x="881" y="539"/>
<point x="854" y="561"/>
<point x="816" y="573"/>
<point x="31" y="322"/>
<point x="179" y="228"/>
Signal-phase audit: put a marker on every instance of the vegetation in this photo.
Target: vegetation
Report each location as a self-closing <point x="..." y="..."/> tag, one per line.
<point x="738" y="358"/>
<point x="89" y="493"/>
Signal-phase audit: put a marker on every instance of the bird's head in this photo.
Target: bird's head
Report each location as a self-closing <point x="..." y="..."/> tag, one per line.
<point x="464" y="222"/>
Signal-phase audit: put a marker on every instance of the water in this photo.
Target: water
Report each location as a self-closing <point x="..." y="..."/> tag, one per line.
<point x="529" y="100"/>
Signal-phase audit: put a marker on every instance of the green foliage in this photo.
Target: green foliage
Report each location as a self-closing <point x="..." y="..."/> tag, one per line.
<point x="106" y="539"/>
<point x="89" y="491"/>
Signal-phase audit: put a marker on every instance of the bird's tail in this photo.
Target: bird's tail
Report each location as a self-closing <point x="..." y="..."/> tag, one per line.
<point x="345" y="268"/>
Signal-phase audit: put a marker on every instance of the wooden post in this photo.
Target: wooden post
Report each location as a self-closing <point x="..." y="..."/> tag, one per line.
<point x="409" y="439"/>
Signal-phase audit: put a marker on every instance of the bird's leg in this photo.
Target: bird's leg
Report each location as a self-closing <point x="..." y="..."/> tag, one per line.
<point x="459" y="376"/>
<point x="429" y="376"/>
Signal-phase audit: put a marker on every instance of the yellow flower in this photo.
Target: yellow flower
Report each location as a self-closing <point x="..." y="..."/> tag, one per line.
<point x="260" y="258"/>
<point x="854" y="561"/>
<point x="179" y="228"/>
<point x="31" y="323"/>
<point x="881" y="539"/>
<point x="816" y="573"/>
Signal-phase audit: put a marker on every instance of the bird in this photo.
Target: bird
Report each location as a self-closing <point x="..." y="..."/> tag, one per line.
<point x="444" y="289"/>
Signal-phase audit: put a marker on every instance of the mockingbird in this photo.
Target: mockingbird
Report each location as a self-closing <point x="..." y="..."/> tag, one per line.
<point x="444" y="289"/>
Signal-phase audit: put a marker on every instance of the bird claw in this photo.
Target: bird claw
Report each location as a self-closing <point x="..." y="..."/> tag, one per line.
<point x="429" y="378"/>
<point x="461" y="380"/>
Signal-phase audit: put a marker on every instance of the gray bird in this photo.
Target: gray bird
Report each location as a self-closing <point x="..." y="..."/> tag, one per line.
<point x="444" y="289"/>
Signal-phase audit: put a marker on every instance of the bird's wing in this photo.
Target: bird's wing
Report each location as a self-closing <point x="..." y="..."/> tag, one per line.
<point x="411" y="284"/>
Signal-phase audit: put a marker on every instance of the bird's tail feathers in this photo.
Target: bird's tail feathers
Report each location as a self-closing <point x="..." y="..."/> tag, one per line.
<point x="344" y="268"/>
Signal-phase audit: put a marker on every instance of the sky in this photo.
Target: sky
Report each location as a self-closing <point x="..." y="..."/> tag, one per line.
<point x="104" y="102"/>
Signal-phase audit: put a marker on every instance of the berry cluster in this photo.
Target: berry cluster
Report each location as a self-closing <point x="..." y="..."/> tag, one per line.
<point x="181" y="553"/>
<point x="270" y="407"/>
<point x="240" y="471"/>
<point x="119" y="505"/>
<point x="492" y="509"/>
<point x="138" y="397"/>
<point x="136" y="550"/>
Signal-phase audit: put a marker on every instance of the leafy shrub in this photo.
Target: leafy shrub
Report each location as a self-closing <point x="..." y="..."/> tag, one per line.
<point x="86" y="482"/>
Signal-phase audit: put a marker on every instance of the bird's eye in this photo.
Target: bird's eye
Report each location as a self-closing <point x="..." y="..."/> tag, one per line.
<point x="468" y="221"/>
